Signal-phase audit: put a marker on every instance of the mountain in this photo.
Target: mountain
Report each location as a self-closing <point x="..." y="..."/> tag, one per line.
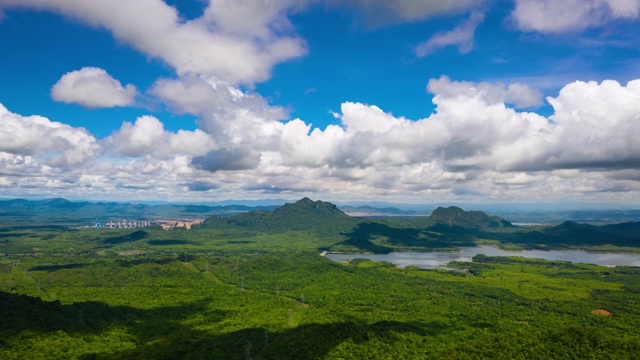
<point x="309" y="209"/>
<point x="304" y="214"/>
<point x="455" y="217"/>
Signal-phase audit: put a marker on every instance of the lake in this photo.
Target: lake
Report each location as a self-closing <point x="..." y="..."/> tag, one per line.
<point x="429" y="260"/>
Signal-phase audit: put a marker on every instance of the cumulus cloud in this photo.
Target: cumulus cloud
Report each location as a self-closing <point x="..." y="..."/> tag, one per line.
<point x="550" y="16"/>
<point x="522" y="96"/>
<point x="475" y="139"/>
<point x="596" y="125"/>
<point x="92" y="87"/>
<point x="147" y="136"/>
<point x="518" y="94"/>
<point x="472" y="142"/>
<point x="219" y="43"/>
<point x="136" y="178"/>
<point x="49" y="142"/>
<point x="462" y="36"/>
<point x="240" y="122"/>
<point x="475" y="143"/>
<point x="202" y="95"/>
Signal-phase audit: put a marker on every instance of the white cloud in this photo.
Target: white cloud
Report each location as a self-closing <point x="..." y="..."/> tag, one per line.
<point x="370" y="119"/>
<point x="590" y="129"/>
<point x="202" y="95"/>
<point x="255" y="18"/>
<point x="597" y="125"/>
<point x="217" y="44"/>
<point x="462" y="36"/>
<point x="189" y="95"/>
<point x="550" y="16"/>
<point x="48" y="142"/>
<point x="522" y="96"/>
<point x="473" y="144"/>
<point x="519" y="94"/>
<point x="241" y="123"/>
<point x="147" y="137"/>
<point x="92" y="87"/>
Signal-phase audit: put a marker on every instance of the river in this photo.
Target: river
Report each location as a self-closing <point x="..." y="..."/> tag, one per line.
<point x="429" y="260"/>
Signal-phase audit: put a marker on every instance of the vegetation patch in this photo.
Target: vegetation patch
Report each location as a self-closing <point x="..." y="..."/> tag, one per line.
<point x="360" y="246"/>
<point x="134" y="236"/>
<point x="167" y="242"/>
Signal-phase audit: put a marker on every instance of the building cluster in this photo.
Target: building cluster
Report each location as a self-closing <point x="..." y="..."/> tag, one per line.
<point x="131" y="224"/>
<point x="184" y="223"/>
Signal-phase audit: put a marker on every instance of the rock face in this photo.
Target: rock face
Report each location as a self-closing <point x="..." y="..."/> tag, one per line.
<point x="601" y="313"/>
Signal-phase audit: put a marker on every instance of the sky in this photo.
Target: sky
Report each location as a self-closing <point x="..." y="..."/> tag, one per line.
<point x="402" y="101"/>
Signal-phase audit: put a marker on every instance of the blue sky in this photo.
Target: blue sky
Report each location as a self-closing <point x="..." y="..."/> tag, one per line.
<point x="401" y="101"/>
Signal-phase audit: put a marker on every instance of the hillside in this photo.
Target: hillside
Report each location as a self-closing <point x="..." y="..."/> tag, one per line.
<point x="571" y="233"/>
<point x="456" y="217"/>
<point x="631" y="229"/>
<point x="304" y="214"/>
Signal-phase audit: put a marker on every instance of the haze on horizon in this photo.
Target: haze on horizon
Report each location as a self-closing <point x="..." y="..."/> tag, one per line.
<point x="494" y="101"/>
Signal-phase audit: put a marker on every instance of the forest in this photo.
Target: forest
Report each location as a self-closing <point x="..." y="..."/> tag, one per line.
<point x="254" y="286"/>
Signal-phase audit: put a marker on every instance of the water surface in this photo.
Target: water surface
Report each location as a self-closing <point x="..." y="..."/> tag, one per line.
<point x="429" y="260"/>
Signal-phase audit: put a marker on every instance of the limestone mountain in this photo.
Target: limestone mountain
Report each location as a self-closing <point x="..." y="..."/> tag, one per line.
<point x="454" y="216"/>
<point x="304" y="214"/>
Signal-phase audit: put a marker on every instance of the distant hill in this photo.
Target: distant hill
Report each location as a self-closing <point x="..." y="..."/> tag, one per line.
<point x="369" y="211"/>
<point x="595" y="217"/>
<point x="304" y="214"/>
<point x="571" y="233"/>
<point x="454" y="216"/>
<point x="62" y="210"/>
<point x="630" y="229"/>
<point x="446" y="228"/>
